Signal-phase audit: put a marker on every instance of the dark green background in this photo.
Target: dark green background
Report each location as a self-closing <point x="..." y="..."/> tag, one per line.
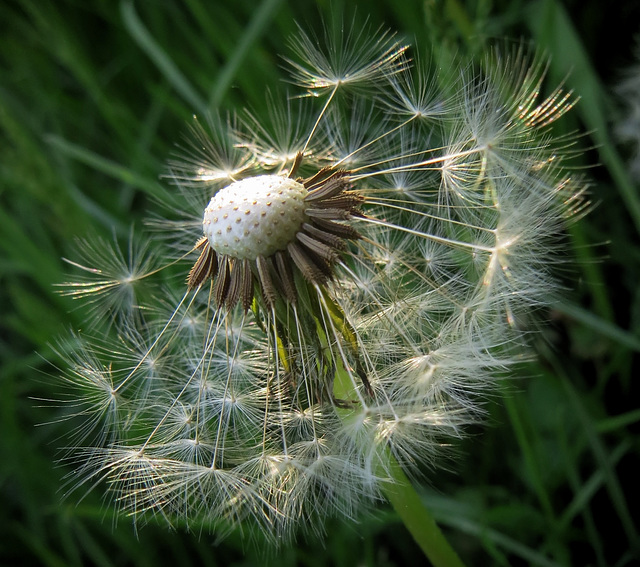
<point x="91" y="105"/>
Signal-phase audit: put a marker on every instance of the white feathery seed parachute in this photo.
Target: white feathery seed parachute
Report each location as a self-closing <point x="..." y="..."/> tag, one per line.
<point x="358" y="268"/>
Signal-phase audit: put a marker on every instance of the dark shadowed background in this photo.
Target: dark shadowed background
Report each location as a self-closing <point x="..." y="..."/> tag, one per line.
<point x="93" y="97"/>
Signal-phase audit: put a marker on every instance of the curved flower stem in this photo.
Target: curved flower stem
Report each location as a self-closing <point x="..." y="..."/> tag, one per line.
<point x="398" y="488"/>
<point x="417" y="518"/>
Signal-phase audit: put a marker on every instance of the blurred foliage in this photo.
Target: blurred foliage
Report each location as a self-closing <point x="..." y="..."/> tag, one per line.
<point x="93" y="97"/>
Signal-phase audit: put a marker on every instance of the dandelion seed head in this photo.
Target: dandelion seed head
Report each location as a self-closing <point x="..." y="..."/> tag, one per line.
<point x="210" y="157"/>
<point x="361" y="260"/>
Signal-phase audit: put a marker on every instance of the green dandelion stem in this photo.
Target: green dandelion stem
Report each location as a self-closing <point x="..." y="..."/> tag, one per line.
<point x="417" y="518"/>
<point x="399" y="491"/>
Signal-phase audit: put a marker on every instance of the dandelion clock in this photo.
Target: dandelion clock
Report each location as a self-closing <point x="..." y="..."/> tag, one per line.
<point x="329" y="297"/>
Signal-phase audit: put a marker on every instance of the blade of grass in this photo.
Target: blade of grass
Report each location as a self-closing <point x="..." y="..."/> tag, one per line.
<point x="604" y="460"/>
<point x="458" y="15"/>
<point x="599" y="325"/>
<point x="516" y="416"/>
<point x="39" y="549"/>
<point x="587" y="259"/>
<point x="110" y="168"/>
<point x="589" y="488"/>
<point x="25" y="254"/>
<point x="583" y="493"/>
<point x="261" y="19"/>
<point x="61" y="38"/>
<point x="92" y="549"/>
<point x="457" y="515"/>
<point x="32" y="174"/>
<point x="149" y="129"/>
<point x="68" y="542"/>
<point x="164" y="63"/>
<point x="481" y="531"/>
<point x="618" y="422"/>
<point x="554" y="31"/>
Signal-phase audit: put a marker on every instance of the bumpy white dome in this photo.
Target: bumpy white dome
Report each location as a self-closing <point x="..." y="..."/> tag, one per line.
<point x="255" y="216"/>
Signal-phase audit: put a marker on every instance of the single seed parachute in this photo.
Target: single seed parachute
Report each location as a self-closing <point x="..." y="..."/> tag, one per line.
<point x="359" y="267"/>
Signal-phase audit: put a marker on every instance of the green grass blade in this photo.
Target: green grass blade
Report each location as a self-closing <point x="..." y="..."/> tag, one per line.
<point x="164" y="63"/>
<point x="604" y="460"/>
<point x="605" y="328"/>
<point x="261" y="19"/>
<point x="618" y="422"/>
<point x="110" y="168"/>
<point x="554" y="31"/>
<point x="48" y="558"/>
<point x="503" y="541"/>
<point x="589" y="488"/>
<point x="517" y="418"/>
